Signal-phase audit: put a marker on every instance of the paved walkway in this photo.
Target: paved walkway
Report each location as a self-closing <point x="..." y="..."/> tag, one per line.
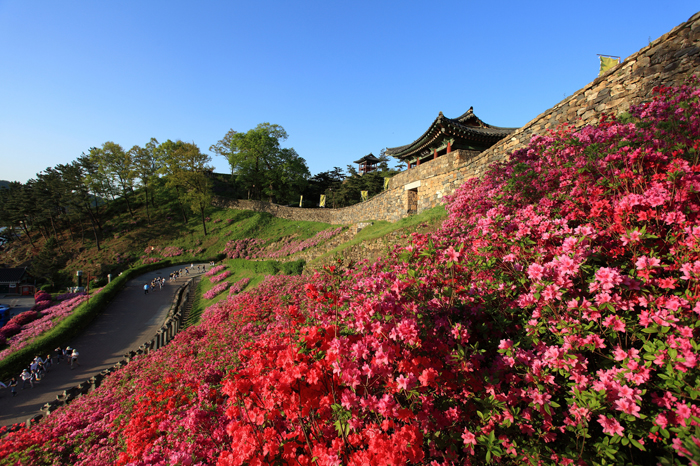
<point x="131" y="319"/>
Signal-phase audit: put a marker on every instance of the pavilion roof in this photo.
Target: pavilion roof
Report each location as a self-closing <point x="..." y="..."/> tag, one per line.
<point x="466" y="127"/>
<point x="12" y="275"/>
<point x="369" y="158"/>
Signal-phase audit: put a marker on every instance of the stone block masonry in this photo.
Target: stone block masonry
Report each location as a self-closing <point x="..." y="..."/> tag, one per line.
<point x="667" y="61"/>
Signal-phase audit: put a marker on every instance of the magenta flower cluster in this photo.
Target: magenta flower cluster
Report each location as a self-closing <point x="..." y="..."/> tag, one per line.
<point x="238" y="286"/>
<point x="29" y="330"/>
<point x="216" y="290"/>
<point x="255" y="248"/>
<point x="214" y="270"/>
<point x="217" y="278"/>
<point x="171" y="251"/>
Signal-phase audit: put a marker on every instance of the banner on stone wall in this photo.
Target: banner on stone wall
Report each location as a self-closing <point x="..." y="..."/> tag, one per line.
<point x="364" y="195"/>
<point x="301" y="199"/>
<point x="386" y="184"/>
<point x="607" y="62"/>
<point x="323" y="201"/>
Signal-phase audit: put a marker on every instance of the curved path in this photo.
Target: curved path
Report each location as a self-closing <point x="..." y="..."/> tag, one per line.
<point x="132" y="318"/>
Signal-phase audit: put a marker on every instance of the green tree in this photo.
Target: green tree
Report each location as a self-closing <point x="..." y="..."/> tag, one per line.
<point x="118" y="166"/>
<point x="47" y="264"/>
<point x="261" y="164"/>
<point x="189" y="170"/>
<point x="147" y="161"/>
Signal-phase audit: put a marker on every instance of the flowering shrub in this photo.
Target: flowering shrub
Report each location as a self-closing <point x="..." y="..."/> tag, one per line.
<point x="10" y="329"/>
<point x="40" y="306"/>
<point x="254" y="248"/>
<point x="20" y="335"/>
<point x="221" y="276"/>
<point x="238" y="286"/>
<point x="243" y="248"/>
<point x="215" y="270"/>
<point x="24" y="317"/>
<point x="41" y="296"/>
<point x="171" y="251"/>
<point x="150" y="260"/>
<point x="551" y="320"/>
<point x="64" y="296"/>
<point x="216" y="290"/>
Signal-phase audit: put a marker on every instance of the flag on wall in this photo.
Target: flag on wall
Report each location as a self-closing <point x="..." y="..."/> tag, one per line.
<point x="386" y="183"/>
<point x="323" y="201"/>
<point x="607" y="62"/>
<point x="364" y="195"/>
<point x="301" y="199"/>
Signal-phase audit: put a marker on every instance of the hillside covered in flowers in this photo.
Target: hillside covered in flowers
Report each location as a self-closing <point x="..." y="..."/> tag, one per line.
<point x="553" y="319"/>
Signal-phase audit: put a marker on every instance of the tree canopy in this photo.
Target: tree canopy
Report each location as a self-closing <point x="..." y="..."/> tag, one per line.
<point x="260" y="164"/>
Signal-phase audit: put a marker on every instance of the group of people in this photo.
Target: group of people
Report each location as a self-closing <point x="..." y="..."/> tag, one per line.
<point x="39" y="368"/>
<point x="156" y="283"/>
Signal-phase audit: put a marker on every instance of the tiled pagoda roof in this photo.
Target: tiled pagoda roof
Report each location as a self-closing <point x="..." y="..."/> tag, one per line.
<point x="369" y="158"/>
<point x="467" y="127"/>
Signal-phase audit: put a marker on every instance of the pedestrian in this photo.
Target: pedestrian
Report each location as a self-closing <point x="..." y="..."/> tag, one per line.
<point x="26" y="376"/>
<point x="145" y="288"/>
<point x="74" y="359"/>
<point x="34" y="368"/>
<point x="48" y="362"/>
<point x="13" y="386"/>
<point x="66" y="353"/>
<point x="59" y="354"/>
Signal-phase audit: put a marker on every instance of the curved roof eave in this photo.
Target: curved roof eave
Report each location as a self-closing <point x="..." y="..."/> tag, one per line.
<point x="485" y="133"/>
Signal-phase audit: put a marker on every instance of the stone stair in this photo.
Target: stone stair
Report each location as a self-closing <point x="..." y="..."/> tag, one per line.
<point x="190" y="300"/>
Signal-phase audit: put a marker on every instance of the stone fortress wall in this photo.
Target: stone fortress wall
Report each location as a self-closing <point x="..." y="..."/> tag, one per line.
<point x="668" y="61"/>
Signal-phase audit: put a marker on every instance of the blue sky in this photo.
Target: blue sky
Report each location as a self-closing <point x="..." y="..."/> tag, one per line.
<point x="343" y="78"/>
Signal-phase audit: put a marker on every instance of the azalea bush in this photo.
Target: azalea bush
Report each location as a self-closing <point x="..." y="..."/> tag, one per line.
<point x="238" y="286"/>
<point x="214" y="270"/>
<point x="171" y="251"/>
<point x="551" y="320"/>
<point x="23" y="329"/>
<point x="256" y="248"/>
<point x="212" y="293"/>
<point x="222" y="276"/>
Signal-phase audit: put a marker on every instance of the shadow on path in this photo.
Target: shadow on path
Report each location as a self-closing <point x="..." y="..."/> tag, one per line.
<point x="132" y="318"/>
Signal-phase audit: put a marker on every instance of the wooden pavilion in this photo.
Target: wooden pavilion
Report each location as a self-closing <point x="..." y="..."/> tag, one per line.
<point x="367" y="164"/>
<point x="448" y="134"/>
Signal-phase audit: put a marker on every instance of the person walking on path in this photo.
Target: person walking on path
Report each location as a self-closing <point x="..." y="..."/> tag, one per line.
<point x="26" y="377"/>
<point x="13" y="386"/>
<point x="74" y="359"/>
<point x="145" y="288"/>
<point x="59" y="354"/>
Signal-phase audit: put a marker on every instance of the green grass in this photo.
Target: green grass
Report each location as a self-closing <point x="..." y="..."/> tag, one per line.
<point x="239" y="268"/>
<point x="382" y="228"/>
<point x="245" y="224"/>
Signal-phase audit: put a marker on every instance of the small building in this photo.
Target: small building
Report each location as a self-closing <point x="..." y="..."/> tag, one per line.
<point x="16" y="280"/>
<point x="367" y="164"/>
<point x="445" y="135"/>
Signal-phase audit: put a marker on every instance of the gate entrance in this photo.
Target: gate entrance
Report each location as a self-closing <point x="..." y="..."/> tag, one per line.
<point x="412" y="201"/>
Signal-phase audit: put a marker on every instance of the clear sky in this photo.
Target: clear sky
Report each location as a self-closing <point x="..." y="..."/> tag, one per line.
<point x="343" y="78"/>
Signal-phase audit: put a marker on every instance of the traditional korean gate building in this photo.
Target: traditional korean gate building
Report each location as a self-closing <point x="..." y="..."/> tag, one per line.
<point x="16" y="280"/>
<point x="460" y="139"/>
